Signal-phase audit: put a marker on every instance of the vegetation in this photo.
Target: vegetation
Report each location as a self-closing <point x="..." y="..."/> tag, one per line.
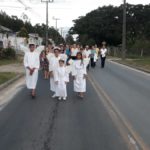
<point x="5" y="76"/>
<point x="140" y="63"/>
<point x="105" y="24"/>
<point x="17" y="25"/>
<point x="69" y="39"/>
<point x="23" y="33"/>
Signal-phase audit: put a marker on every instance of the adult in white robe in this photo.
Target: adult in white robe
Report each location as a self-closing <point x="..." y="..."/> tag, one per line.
<point x="32" y="64"/>
<point x="53" y="64"/>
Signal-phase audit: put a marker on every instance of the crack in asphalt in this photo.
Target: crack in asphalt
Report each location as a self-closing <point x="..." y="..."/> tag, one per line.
<point x="52" y="117"/>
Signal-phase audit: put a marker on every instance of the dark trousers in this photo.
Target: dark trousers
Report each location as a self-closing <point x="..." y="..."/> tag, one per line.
<point x="88" y="67"/>
<point x="103" y="61"/>
<point x="93" y="63"/>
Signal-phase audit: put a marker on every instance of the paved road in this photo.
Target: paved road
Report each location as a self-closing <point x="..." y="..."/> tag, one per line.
<point x="46" y="124"/>
<point x="129" y="90"/>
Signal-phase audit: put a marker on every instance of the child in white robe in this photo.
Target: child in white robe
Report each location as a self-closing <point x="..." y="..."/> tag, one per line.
<point x="79" y="75"/>
<point x="61" y="77"/>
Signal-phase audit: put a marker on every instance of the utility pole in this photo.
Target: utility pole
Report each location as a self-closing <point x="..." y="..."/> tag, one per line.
<point x="56" y="19"/>
<point x="46" y="30"/>
<point x="61" y="31"/>
<point x="124" y="31"/>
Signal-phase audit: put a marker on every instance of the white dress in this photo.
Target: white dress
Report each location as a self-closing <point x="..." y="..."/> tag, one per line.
<point x="31" y="59"/>
<point x="53" y="64"/>
<point x="61" y="76"/>
<point x="79" y="70"/>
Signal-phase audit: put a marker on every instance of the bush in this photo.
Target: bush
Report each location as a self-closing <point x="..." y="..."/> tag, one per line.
<point x="8" y="53"/>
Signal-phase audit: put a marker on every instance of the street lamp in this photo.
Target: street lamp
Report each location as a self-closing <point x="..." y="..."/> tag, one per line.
<point x="124" y="30"/>
<point x="46" y="31"/>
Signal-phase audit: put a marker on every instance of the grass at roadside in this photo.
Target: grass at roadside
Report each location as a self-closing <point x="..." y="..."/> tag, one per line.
<point x="4" y="77"/>
<point x="10" y="61"/>
<point x="142" y="63"/>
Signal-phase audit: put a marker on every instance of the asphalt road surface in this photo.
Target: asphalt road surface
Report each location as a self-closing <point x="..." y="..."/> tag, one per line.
<point x="48" y="124"/>
<point x="129" y="91"/>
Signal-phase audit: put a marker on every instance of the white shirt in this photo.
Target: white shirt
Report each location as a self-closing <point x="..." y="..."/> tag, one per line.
<point x="74" y="52"/>
<point x="103" y="52"/>
<point x="87" y="53"/>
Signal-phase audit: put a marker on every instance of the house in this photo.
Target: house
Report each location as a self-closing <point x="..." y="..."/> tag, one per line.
<point x="34" y="38"/>
<point x="4" y="33"/>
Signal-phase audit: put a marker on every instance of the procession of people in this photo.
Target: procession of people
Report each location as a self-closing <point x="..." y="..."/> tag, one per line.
<point x="60" y="64"/>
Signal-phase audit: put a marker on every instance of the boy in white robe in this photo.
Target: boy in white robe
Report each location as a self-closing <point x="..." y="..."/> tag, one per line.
<point x="32" y="64"/>
<point x="53" y="64"/>
<point x="79" y="75"/>
<point x="61" y="77"/>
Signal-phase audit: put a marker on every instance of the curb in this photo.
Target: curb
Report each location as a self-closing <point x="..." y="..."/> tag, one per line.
<point x="6" y="84"/>
<point x="138" y="68"/>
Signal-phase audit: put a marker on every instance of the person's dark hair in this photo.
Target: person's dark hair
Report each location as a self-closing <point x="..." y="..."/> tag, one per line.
<point x="56" y="49"/>
<point x="61" y="61"/>
<point x="90" y="47"/>
<point x="30" y="45"/>
<point x="81" y="49"/>
<point x="79" y="53"/>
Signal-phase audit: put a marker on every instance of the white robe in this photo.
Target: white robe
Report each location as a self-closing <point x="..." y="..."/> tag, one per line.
<point x="61" y="76"/>
<point x="79" y="70"/>
<point x="31" y="59"/>
<point x="53" y="64"/>
<point x="63" y="57"/>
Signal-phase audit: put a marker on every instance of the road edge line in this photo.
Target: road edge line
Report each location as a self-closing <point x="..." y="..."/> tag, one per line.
<point x="119" y="119"/>
<point x="130" y="68"/>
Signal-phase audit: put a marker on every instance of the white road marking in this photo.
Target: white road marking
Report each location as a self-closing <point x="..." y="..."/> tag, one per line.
<point x="123" y="125"/>
<point x="133" y="142"/>
<point x="7" y="94"/>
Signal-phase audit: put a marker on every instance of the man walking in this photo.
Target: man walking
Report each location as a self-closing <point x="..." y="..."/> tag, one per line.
<point x="103" y="52"/>
<point x="32" y="64"/>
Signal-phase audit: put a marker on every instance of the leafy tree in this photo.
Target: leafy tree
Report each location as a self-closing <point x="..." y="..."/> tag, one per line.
<point x="105" y="24"/>
<point x="23" y="32"/>
<point x="69" y="39"/>
<point x="15" y="24"/>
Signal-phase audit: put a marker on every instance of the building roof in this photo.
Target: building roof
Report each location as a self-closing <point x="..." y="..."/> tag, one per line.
<point x="4" y="29"/>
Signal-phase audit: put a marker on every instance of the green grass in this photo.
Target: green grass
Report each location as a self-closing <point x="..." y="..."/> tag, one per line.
<point x="10" y="61"/>
<point x="143" y="63"/>
<point x="4" y="77"/>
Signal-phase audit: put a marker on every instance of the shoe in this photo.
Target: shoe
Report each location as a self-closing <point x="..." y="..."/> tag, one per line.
<point x="54" y="96"/>
<point x="59" y="98"/>
<point x="64" y="98"/>
<point x="33" y="96"/>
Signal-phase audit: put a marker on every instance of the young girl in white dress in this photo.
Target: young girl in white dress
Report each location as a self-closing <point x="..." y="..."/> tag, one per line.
<point x="61" y="77"/>
<point x="79" y="74"/>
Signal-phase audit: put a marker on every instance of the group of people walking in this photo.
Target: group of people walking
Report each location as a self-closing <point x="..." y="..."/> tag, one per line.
<point x="58" y="64"/>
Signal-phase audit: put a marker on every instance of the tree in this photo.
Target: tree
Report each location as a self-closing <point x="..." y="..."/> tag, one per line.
<point x="23" y="32"/>
<point x="69" y="39"/>
<point x="105" y="24"/>
<point x="26" y="27"/>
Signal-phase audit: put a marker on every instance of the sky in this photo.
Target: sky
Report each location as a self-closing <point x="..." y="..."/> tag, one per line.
<point x="64" y="10"/>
